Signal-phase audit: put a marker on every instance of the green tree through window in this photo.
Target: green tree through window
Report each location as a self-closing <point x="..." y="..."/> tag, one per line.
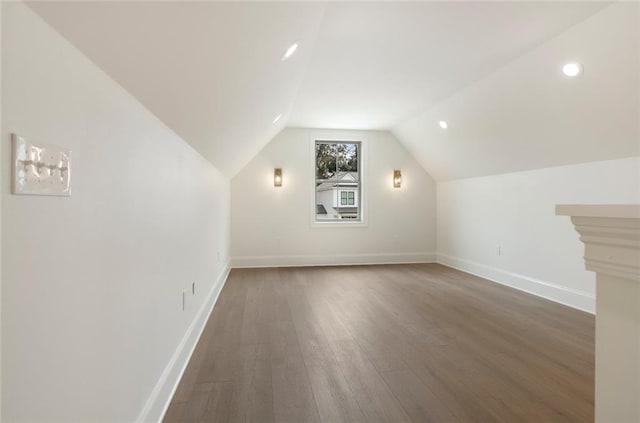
<point x="345" y="156"/>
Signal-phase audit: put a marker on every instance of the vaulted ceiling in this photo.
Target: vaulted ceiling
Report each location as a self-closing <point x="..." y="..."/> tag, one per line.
<point x="213" y="73"/>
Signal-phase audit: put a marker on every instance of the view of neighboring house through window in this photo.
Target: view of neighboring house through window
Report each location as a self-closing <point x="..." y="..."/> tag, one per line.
<point x="338" y="181"/>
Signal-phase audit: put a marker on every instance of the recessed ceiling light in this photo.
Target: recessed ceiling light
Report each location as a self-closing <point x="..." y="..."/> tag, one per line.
<point x="443" y="124"/>
<point x="289" y="52"/>
<point x="277" y="119"/>
<point x="572" y="69"/>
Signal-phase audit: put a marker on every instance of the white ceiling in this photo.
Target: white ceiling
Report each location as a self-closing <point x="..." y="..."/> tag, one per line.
<point x="528" y="115"/>
<point x="212" y="72"/>
<point x="376" y="64"/>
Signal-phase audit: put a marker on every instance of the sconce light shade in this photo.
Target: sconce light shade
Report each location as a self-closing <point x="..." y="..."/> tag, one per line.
<point x="277" y="177"/>
<point x="397" y="179"/>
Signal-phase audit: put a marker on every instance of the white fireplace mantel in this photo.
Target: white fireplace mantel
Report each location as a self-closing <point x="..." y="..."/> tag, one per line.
<point x="611" y="235"/>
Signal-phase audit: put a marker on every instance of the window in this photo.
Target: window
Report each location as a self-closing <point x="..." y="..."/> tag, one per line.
<point x="347" y="198"/>
<point x="338" y="181"/>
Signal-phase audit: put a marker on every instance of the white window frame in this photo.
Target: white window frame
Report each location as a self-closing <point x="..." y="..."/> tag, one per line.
<point x="339" y="136"/>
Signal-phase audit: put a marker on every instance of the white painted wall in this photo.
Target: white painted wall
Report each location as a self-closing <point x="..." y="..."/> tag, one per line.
<point x="540" y="252"/>
<point x="272" y="226"/>
<point x="92" y="284"/>
<point x="1" y="179"/>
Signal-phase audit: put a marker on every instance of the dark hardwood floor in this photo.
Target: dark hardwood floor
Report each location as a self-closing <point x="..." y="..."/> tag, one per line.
<point x="394" y="343"/>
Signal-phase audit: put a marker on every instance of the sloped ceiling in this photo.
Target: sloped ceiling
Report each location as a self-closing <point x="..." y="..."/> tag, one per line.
<point x="213" y="73"/>
<point x="377" y="64"/>
<point x="528" y="115"/>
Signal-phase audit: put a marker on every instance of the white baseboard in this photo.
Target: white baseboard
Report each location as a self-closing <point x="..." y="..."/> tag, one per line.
<point x="158" y="402"/>
<point x="332" y="260"/>
<point x="570" y="297"/>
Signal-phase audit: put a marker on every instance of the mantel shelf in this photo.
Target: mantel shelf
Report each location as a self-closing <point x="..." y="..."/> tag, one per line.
<point x="614" y="211"/>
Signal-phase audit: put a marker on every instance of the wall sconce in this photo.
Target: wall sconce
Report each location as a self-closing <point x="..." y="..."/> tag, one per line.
<point x="397" y="179"/>
<point x="277" y="177"/>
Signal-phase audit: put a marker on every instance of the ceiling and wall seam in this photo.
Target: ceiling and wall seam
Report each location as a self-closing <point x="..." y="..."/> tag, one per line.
<point x="133" y="97"/>
<point x="608" y="41"/>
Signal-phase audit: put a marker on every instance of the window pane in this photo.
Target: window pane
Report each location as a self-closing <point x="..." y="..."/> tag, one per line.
<point x="325" y="161"/>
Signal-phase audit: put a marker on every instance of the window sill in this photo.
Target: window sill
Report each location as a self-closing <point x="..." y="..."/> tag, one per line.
<point x="343" y="224"/>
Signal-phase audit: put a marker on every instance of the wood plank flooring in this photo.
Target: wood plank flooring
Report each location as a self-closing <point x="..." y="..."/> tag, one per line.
<point x="394" y="343"/>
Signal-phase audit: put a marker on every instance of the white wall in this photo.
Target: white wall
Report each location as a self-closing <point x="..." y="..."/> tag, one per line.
<point x="272" y="226"/>
<point x="92" y="284"/>
<point x="1" y="158"/>
<point x="540" y="252"/>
